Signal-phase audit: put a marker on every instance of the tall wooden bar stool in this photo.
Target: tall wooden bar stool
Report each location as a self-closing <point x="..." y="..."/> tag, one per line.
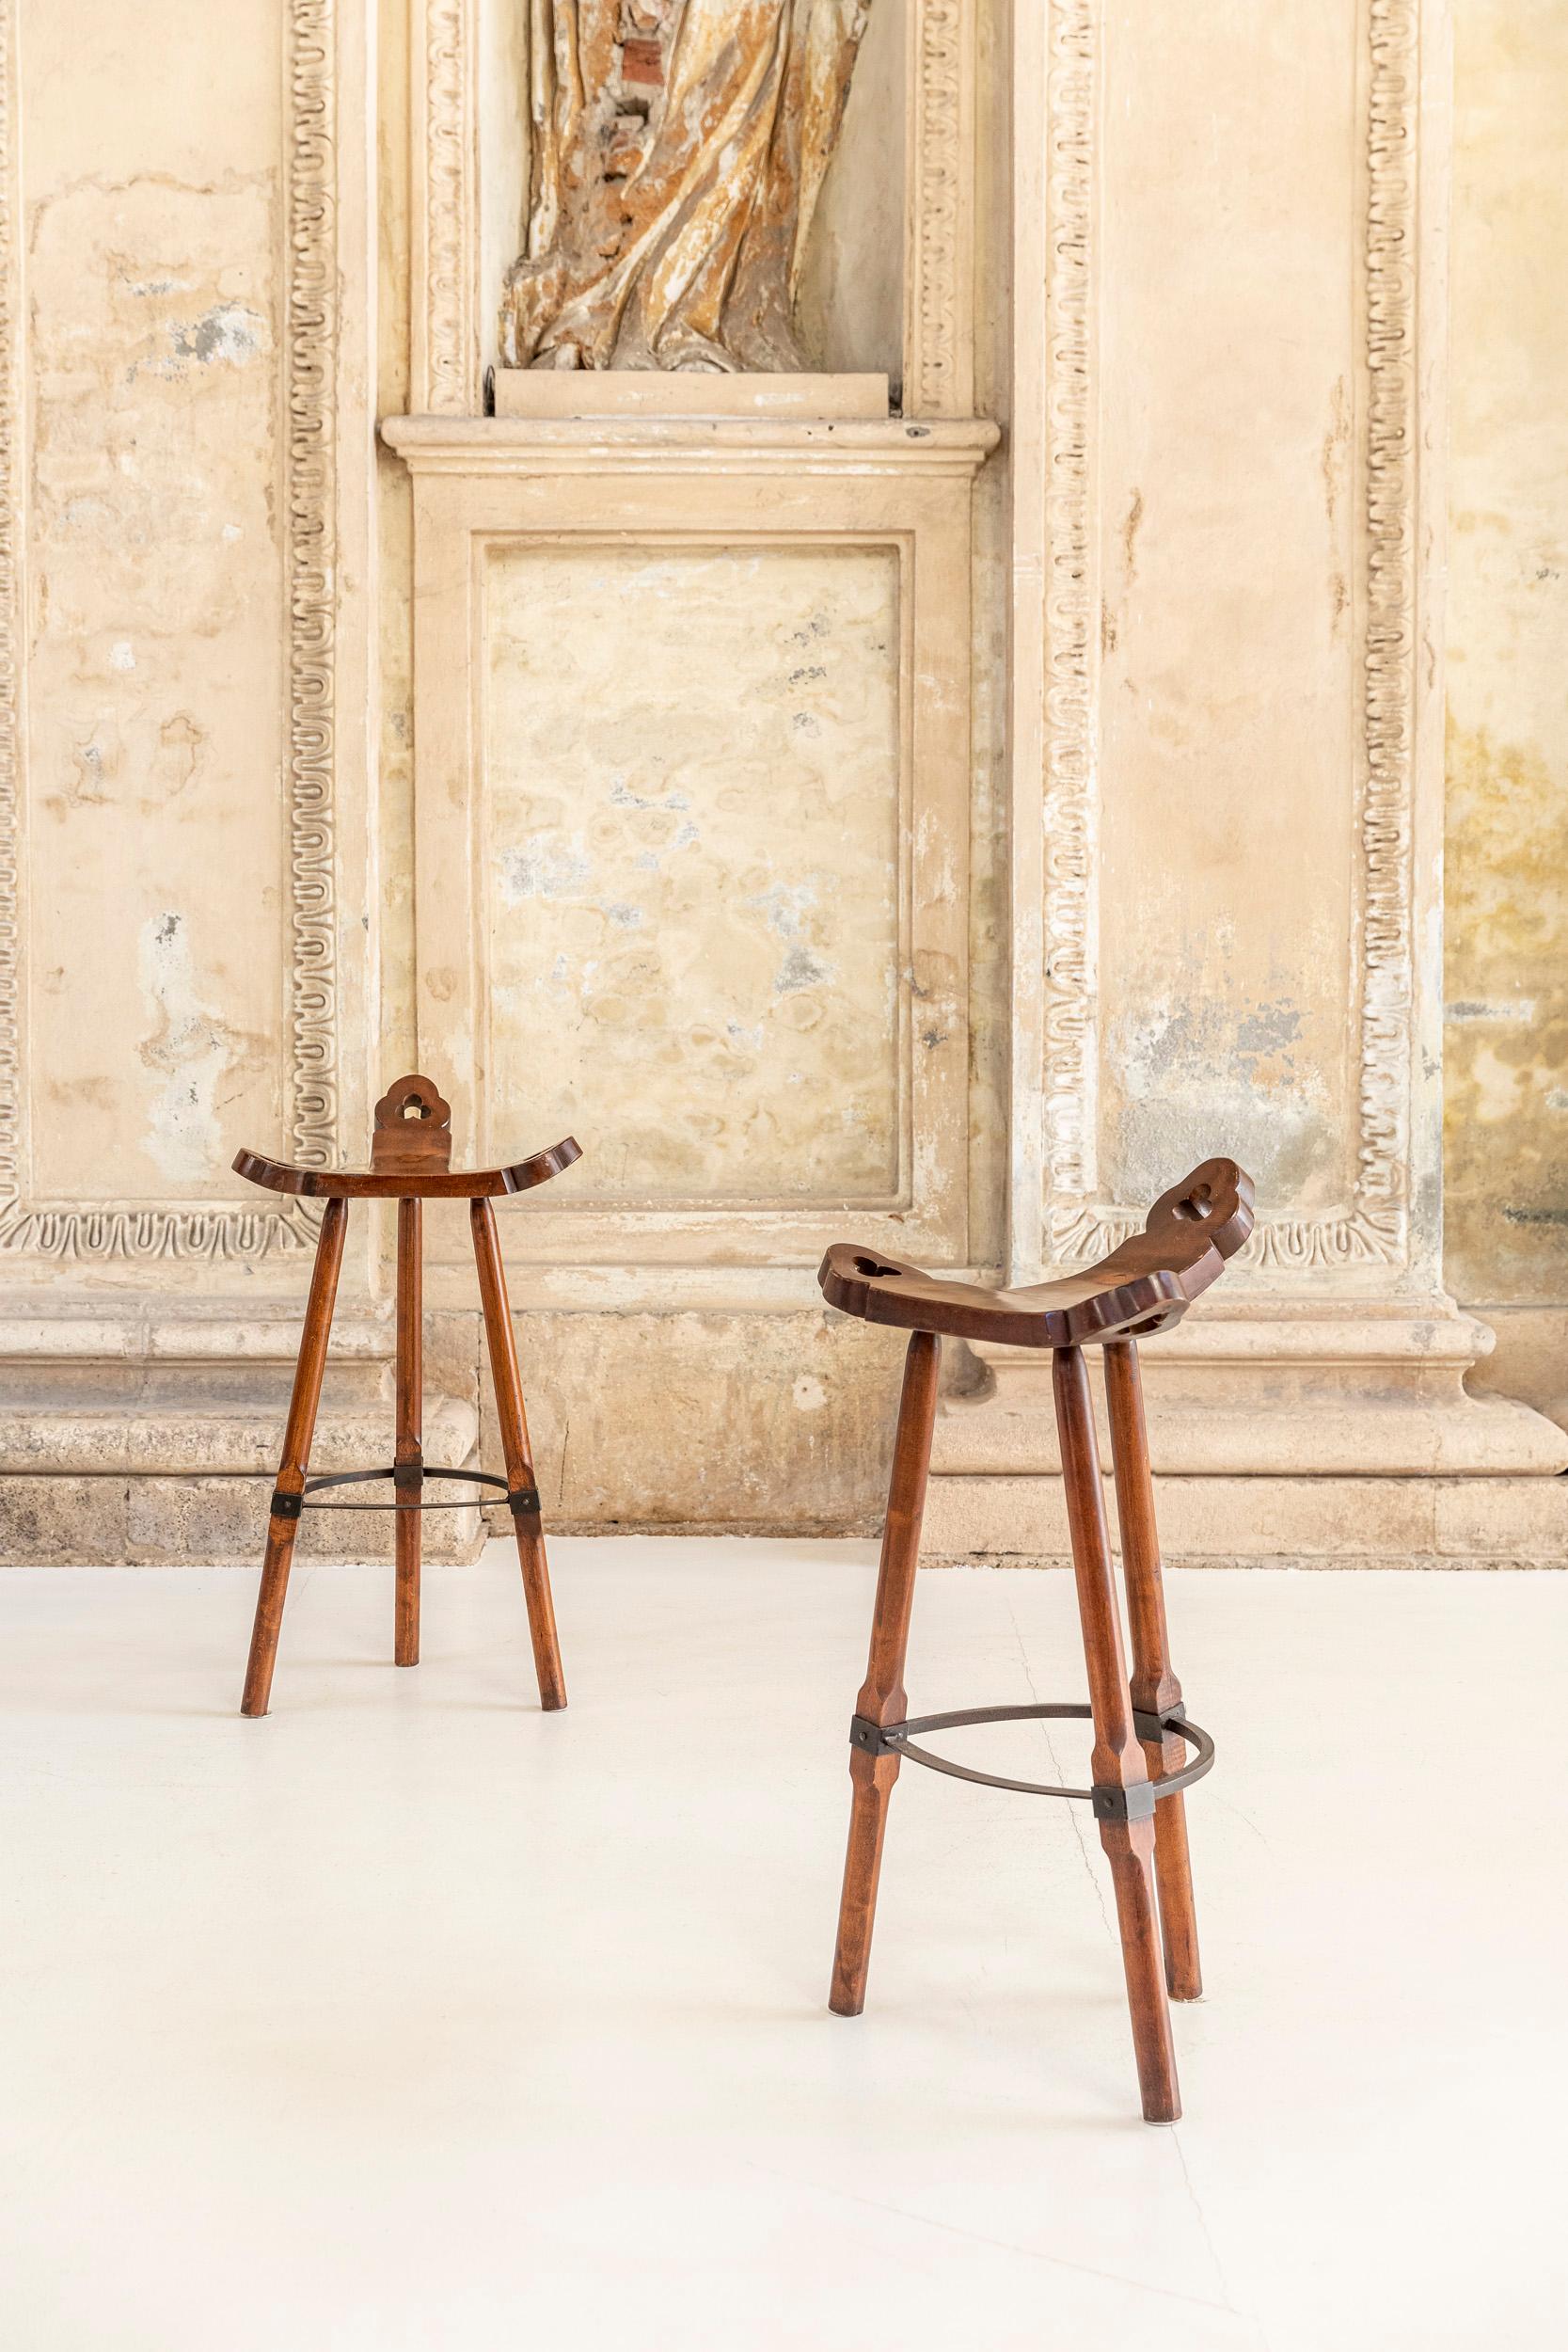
<point x="1139" y="1730"/>
<point x="410" y="1155"/>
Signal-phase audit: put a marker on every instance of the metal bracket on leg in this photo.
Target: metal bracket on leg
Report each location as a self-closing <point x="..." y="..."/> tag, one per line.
<point x="522" y="1502"/>
<point x="286" y="1506"/>
<point x="870" y="1737"/>
<point x="1110" y="1800"/>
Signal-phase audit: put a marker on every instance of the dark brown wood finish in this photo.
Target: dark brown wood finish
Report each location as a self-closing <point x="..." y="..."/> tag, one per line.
<point x="361" y="1183"/>
<point x="1141" y="1288"/>
<point x="408" y="1455"/>
<point x="413" y="1129"/>
<point x="1155" y="1688"/>
<point x="1146" y="1285"/>
<point x="410" y="1155"/>
<point x="1117" y="1757"/>
<point x="882" y="1697"/>
<point x="298" y="1431"/>
<point x="518" y="1453"/>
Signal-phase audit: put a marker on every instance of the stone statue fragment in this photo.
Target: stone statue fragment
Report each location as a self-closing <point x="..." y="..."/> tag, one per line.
<point x="678" y="149"/>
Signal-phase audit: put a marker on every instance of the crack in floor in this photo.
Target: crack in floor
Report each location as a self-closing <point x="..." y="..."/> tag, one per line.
<point x="1001" y="2244"/>
<point x="1095" y="1879"/>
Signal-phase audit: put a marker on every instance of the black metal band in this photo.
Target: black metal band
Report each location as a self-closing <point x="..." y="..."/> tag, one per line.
<point x="522" y="1502"/>
<point x="408" y="1478"/>
<point x="1111" y="1802"/>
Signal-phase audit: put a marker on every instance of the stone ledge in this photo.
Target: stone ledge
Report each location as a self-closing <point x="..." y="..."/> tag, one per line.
<point x="675" y="446"/>
<point x="1271" y="1522"/>
<point x="177" y="1440"/>
<point x="205" y="1522"/>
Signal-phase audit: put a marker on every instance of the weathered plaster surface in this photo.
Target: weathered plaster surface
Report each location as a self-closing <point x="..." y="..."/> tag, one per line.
<point x="1203" y="233"/>
<point x="1506" y="1045"/>
<point x="765" y="1421"/>
<point x="692" y="869"/>
<point x="155" y="646"/>
<point x="1224" y="546"/>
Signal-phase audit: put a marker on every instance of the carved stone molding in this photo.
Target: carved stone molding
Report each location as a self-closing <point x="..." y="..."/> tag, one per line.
<point x="153" y="1231"/>
<point x="446" y="210"/>
<point x="1372" y="1229"/>
<point x="742" y="521"/>
<point x="1071" y="634"/>
<point x="449" y="302"/>
<point x="310" y="338"/>
<point x="939" y="344"/>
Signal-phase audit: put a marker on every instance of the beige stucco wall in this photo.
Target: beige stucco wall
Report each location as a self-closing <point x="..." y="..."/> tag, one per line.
<point x="1138" y="821"/>
<point x="1506" y="1042"/>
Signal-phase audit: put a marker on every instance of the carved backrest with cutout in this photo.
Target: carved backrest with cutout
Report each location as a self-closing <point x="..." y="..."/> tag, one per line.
<point x="413" y="1127"/>
<point x="1144" y="1286"/>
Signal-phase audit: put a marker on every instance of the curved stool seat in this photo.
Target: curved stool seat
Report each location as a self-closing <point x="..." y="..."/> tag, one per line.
<point x="369" y="1184"/>
<point x="410" y="1155"/>
<point x="1141" y="1733"/>
<point x="1142" y="1287"/>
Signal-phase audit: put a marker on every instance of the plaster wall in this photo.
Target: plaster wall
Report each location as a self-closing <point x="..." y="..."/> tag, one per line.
<point x="1162" y="838"/>
<point x="1506" y="1040"/>
<point x="148" y="455"/>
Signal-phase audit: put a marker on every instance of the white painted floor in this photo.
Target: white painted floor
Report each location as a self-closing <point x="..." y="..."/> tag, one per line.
<point x="411" y="2018"/>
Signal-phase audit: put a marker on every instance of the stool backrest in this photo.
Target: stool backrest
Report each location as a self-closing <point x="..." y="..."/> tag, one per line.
<point x="413" y="1128"/>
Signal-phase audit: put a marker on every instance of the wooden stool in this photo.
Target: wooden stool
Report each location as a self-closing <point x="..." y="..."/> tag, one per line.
<point x="1141" y="1288"/>
<point x="409" y="1164"/>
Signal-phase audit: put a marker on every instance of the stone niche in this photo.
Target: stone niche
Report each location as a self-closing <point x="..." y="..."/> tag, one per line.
<point x="694" y="710"/>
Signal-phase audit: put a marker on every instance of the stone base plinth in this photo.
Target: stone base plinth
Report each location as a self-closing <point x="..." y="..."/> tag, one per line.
<point x="134" y="1438"/>
<point x="145" y="1521"/>
<point x="587" y="393"/>
<point x="1272" y="1522"/>
<point x="1345" y="1437"/>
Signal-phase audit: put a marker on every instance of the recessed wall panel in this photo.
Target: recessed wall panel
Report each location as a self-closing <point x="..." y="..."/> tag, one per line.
<point x="693" y="883"/>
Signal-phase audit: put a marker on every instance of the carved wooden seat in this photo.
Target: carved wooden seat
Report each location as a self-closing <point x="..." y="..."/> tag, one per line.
<point x="410" y="1163"/>
<point x="1141" y="1731"/>
<point x="1142" y="1288"/>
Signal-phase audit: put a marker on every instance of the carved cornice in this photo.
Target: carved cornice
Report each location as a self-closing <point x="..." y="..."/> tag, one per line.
<point x="938" y="329"/>
<point x="1373" y="1227"/>
<point x="670" y="446"/>
<point x="152" y="1231"/>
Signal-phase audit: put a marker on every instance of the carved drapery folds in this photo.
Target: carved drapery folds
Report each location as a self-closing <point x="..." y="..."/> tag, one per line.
<point x="679" y="147"/>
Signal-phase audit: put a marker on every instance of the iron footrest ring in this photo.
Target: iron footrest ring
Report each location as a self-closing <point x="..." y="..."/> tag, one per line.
<point x="523" y="1501"/>
<point x="1111" y="1802"/>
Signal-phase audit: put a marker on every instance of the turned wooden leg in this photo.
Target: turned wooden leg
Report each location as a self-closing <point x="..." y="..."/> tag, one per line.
<point x="1122" y="1802"/>
<point x="518" y="1455"/>
<point x="882" y="1699"/>
<point x="408" y="1475"/>
<point x="1155" y="1688"/>
<point x="300" y="1428"/>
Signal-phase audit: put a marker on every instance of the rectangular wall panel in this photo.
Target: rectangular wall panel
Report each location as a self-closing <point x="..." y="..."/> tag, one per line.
<point x="692" y="868"/>
<point x="1227" y="623"/>
<point x="155" y="623"/>
<point x="170" y="390"/>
